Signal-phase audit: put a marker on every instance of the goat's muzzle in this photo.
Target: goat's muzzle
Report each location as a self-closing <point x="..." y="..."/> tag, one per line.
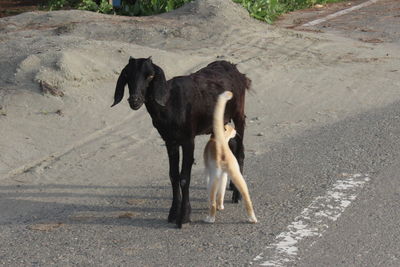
<point x="135" y="102"/>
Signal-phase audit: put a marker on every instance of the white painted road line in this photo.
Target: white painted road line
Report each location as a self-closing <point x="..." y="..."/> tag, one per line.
<point x="313" y="221"/>
<point x="339" y="13"/>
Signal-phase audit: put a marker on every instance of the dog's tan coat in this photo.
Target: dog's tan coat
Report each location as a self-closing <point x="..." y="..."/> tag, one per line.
<point x="220" y="161"/>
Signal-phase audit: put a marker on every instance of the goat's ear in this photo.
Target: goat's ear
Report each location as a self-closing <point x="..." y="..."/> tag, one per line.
<point x="131" y="59"/>
<point x="160" y="90"/>
<point x="119" y="90"/>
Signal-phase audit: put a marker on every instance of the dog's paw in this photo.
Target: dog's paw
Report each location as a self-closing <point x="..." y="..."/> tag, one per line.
<point x="252" y="219"/>
<point x="209" y="219"/>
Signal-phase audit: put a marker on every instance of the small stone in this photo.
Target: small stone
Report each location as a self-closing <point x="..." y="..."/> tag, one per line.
<point x="49" y="89"/>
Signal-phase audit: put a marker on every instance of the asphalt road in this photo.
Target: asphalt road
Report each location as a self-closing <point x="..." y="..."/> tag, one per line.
<point x="122" y="225"/>
<point x="44" y="222"/>
<point x="375" y="23"/>
<point x="367" y="233"/>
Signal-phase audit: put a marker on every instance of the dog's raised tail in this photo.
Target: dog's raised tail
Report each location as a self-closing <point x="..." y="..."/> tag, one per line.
<point x="218" y="119"/>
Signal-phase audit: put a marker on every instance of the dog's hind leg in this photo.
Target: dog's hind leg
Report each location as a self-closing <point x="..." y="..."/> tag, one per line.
<point x="221" y="191"/>
<point x="215" y="177"/>
<point x="238" y="180"/>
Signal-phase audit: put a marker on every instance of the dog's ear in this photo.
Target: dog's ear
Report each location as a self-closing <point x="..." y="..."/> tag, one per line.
<point x="159" y="83"/>
<point x="119" y="90"/>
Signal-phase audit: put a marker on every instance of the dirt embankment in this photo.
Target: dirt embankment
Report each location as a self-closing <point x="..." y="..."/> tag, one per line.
<point x="59" y="71"/>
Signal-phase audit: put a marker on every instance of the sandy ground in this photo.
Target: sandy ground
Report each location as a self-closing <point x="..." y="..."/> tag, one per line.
<point x="74" y="142"/>
<point x="300" y="79"/>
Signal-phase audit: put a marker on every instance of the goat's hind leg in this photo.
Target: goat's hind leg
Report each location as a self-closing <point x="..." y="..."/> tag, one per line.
<point x="234" y="145"/>
<point x="237" y="147"/>
<point x="173" y="156"/>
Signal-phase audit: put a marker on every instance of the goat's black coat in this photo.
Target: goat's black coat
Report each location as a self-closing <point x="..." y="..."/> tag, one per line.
<point x="182" y="108"/>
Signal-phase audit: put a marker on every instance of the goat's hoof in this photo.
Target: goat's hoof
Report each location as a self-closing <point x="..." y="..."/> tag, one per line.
<point x="180" y="225"/>
<point x="209" y="219"/>
<point x="182" y="221"/>
<point x="186" y="220"/>
<point x="173" y="217"/>
<point x="220" y="207"/>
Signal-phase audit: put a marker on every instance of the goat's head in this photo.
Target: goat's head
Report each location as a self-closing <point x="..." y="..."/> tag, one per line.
<point x="143" y="78"/>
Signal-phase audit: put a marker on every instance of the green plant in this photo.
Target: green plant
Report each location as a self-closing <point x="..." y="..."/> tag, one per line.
<point x="149" y="7"/>
<point x="56" y="4"/>
<point x="60" y="4"/>
<point x="105" y="7"/>
<point x="129" y="7"/>
<point x="89" y="5"/>
<point x="269" y="10"/>
<point x="266" y="10"/>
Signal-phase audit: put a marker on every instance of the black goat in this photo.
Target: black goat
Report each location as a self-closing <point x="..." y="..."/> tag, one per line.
<point x="182" y="108"/>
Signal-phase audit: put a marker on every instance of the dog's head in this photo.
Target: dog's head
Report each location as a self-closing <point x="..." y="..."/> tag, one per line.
<point x="230" y="132"/>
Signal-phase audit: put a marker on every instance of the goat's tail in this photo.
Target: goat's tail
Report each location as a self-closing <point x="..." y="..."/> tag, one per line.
<point x="218" y="120"/>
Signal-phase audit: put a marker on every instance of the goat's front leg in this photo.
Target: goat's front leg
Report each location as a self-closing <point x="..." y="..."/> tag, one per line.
<point x="188" y="159"/>
<point x="173" y="156"/>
